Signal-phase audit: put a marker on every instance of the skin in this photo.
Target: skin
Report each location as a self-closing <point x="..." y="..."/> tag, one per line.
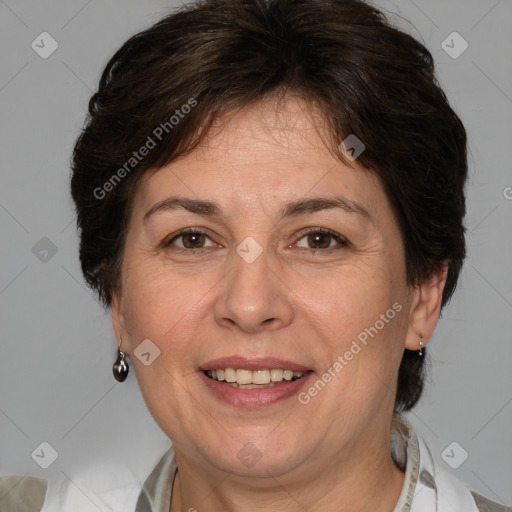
<point x="301" y="300"/>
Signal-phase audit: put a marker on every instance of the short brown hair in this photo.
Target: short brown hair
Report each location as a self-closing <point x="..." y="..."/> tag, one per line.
<point x="367" y="78"/>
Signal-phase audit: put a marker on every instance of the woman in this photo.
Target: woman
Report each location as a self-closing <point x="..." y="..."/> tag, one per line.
<point x="270" y="199"/>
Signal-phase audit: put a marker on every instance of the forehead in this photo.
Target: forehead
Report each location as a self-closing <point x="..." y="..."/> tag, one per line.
<point x="275" y="149"/>
<point x="286" y="123"/>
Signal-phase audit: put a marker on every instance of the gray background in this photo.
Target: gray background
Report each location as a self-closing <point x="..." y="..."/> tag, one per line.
<point x="57" y="347"/>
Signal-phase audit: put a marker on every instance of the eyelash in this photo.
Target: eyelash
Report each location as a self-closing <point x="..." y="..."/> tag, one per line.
<point x="343" y="242"/>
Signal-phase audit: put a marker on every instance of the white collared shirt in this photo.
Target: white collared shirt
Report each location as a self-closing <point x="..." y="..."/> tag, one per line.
<point x="427" y="487"/>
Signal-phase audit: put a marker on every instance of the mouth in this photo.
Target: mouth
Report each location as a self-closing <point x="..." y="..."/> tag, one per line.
<point x="254" y="383"/>
<point x="254" y="379"/>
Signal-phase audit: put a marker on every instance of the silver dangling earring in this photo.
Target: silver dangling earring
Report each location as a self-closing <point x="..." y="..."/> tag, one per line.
<point x="420" y="353"/>
<point x="120" y="368"/>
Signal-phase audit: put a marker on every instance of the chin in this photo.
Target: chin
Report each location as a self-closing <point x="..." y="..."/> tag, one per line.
<point x="257" y="459"/>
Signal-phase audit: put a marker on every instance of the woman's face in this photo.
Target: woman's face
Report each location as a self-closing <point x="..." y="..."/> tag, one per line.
<point x="291" y="261"/>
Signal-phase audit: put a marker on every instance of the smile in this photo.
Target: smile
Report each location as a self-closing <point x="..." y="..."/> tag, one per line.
<point x="251" y="379"/>
<point x="254" y="383"/>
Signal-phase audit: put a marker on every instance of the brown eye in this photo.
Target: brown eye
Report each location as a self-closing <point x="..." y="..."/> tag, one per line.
<point x="193" y="240"/>
<point x="190" y="240"/>
<point x="318" y="239"/>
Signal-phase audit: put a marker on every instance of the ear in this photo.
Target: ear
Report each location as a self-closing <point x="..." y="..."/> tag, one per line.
<point x="425" y="309"/>
<point x="118" y="318"/>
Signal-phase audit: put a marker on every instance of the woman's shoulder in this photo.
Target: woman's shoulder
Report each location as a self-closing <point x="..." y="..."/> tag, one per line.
<point x="428" y="483"/>
<point x="22" y="493"/>
<point x="486" y="505"/>
<point x="27" y="493"/>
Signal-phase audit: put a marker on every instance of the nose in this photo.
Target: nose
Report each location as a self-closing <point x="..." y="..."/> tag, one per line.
<point x="253" y="298"/>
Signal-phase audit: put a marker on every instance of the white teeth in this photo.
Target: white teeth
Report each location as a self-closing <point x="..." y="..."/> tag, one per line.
<point x="276" y="375"/>
<point x="230" y="375"/>
<point x="250" y="379"/>
<point x="243" y="377"/>
<point x="261" y="376"/>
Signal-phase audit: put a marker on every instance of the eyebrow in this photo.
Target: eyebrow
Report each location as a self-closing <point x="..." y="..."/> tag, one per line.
<point x="292" y="209"/>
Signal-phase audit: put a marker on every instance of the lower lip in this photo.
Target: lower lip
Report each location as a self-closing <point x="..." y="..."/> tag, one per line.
<point x="256" y="397"/>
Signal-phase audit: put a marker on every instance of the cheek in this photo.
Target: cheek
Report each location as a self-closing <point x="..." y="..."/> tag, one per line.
<point x="360" y="312"/>
<point x="153" y="301"/>
<point x="350" y="297"/>
<point x="164" y="305"/>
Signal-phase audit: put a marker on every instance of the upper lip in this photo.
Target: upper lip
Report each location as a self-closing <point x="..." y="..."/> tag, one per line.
<point x="245" y="363"/>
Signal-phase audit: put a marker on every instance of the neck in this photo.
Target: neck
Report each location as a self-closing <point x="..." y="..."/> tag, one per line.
<point x="360" y="479"/>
